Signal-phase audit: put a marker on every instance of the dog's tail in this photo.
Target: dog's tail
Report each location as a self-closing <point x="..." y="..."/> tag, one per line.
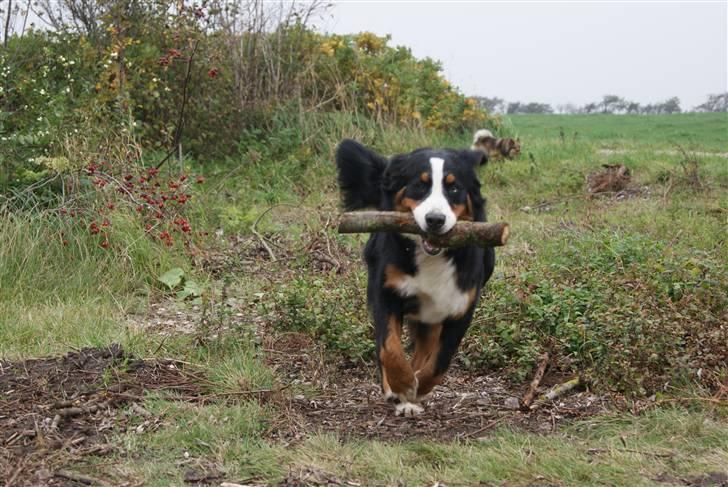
<point x="360" y="175"/>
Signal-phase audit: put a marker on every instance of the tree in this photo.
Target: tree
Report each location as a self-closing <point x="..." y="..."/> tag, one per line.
<point x="671" y="105"/>
<point x="514" y="107"/>
<point x="82" y="16"/>
<point x="532" y="107"/>
<point x="714" y="103"/>
<point x="632" y="107"/>
<point x="590" y="108"/>
<point x="612" y="104"/>
<point x="491" y="105"/>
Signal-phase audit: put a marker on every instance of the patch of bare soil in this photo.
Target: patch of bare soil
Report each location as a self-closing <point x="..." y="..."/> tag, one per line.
<point x="54" y="411"/>
<point x="347" y="400"/>
<point x="711" y="479"/>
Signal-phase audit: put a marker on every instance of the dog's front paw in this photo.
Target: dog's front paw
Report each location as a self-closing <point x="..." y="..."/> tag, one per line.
<point x="408" y="409"/>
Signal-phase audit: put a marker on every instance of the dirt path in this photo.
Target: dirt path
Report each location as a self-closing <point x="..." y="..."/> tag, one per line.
<point x="348" y="401"/>
<point x="59" y="410"/>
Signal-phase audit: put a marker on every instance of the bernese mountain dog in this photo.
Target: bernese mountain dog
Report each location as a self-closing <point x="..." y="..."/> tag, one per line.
<point x="432" y="290"/>
<point x="484" y="141"/>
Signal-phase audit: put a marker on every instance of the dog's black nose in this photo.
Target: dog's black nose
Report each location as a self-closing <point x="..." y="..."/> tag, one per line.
<point x="434" y="221"/>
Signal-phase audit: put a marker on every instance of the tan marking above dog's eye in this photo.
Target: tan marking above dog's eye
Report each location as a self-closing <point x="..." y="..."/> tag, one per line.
<point x="424" y="177"/>
<point x="450" y="178"/>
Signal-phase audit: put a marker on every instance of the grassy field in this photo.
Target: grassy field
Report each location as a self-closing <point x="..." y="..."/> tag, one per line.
<point x="628" y="289"/>
<point x="694" y="131"/>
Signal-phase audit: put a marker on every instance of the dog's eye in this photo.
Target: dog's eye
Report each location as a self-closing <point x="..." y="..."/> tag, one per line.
<point x="453" y="189"/>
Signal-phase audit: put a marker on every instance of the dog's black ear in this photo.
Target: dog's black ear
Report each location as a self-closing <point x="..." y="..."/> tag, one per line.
<point x="360" y="175"/>
<point x="395" y="176"/>
<point x="473" y="158"/>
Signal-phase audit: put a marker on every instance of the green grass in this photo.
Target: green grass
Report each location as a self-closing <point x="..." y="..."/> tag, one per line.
<point x="631" y="292"/>
<point x="695" y="131"/>
<point x="611" y="449"/>
<point x="55" y="296"/>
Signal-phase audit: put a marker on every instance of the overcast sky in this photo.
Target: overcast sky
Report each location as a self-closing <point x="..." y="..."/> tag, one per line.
<point x="559" y="52"/>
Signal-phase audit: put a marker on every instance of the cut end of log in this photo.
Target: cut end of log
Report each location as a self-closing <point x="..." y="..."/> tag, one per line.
<point x="505" y="234"/>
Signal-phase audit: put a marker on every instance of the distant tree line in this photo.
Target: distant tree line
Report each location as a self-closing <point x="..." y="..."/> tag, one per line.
<point x="608" y="104"/>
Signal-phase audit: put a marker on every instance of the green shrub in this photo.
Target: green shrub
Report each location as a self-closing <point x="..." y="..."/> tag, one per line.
<point x="619" y="308"/>
<point x="329" y="310"/>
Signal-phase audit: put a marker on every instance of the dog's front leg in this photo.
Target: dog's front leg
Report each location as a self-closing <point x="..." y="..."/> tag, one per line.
<point x="424" y="360"/>
<point x="399" y="382"/>
<point x="435" y="347"/>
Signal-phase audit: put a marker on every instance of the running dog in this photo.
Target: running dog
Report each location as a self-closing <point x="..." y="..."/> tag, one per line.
<point x="412" y="282"/>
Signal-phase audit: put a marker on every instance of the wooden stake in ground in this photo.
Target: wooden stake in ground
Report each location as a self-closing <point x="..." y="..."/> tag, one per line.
<point x="463" y="233"/>
<point x="531" y="393"/>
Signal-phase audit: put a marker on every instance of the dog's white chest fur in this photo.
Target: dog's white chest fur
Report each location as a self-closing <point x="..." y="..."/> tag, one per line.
<point x="435" y="285"/>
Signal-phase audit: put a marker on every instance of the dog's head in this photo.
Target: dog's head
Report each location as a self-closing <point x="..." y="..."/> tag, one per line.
<point x="439" y="187"/>
<point x="511" y="148"/>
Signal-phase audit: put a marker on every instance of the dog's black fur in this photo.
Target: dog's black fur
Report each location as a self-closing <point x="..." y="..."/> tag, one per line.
<point x="367" y="179"/>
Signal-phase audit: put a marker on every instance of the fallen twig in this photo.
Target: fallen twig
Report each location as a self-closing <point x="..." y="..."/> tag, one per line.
<point x="78" y="477"/>
<point x="557" y="392"/>
<point x="531" y="393"/>
<point x="17" y="471"/>
<point x="487" y="426"/>
<point x="463" y="233"/>
<point x="255" y="232"/>
<point x="23" y="434"/>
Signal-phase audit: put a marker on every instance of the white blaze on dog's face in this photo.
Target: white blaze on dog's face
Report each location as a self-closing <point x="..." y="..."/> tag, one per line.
<point x="435" y="186"/>
<point x="434" y="214"/>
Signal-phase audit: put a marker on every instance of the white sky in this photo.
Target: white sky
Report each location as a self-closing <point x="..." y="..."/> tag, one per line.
<point x="558" y="52"/>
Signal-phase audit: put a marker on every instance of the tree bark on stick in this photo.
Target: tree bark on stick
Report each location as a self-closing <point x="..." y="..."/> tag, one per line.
<point x="462" y="234"/>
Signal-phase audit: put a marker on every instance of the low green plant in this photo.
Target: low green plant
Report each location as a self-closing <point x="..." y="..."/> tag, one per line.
<point x="331" y="310"/>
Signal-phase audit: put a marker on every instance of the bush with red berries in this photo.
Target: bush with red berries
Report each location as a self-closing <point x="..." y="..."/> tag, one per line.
<point x="158" y="200"/>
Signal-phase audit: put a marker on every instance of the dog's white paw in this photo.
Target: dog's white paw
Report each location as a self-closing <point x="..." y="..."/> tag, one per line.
<point x="408" y="409"/>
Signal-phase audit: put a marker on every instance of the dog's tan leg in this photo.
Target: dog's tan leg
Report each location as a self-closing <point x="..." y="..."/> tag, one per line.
<point x="427" y="348"/>
<point x="397" y="374"/>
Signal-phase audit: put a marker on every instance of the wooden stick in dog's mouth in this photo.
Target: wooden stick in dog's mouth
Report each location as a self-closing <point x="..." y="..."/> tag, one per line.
<point x="481" y="234"/>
